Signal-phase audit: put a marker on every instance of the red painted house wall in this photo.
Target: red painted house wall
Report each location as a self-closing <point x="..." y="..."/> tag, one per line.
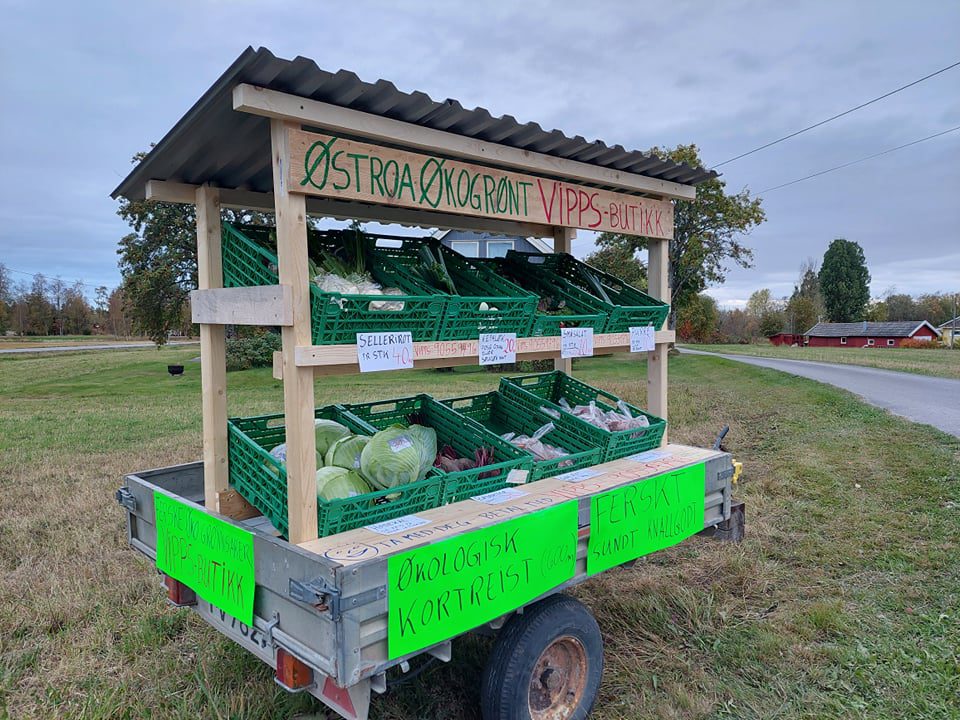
<point x="860" y="341"/>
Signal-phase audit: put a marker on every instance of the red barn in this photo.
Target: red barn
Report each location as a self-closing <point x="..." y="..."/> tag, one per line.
<point x="870" y="334"/>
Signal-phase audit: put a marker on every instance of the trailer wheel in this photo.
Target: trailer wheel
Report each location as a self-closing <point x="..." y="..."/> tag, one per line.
<point x="546" y="664"/>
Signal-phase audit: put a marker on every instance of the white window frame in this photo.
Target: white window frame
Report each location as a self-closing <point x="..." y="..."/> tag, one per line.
<point x="870" y="342"/>
<point x="511" y="245"/>
<point x="891" y="342"/>
<point x="843" y="341"/>
<point x="457" y="245"/>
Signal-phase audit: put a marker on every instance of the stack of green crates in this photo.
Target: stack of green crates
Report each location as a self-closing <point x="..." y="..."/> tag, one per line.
<point x="485" y="302"/>
<point x="547" y="389"/>
<point x="501" y="415"/>
<point x="460" y="433"/>
<point x="262" y="480"/>
<point x="584" y="310"/>
<point x="249" y="259"/>
<point x="625" y="306"/>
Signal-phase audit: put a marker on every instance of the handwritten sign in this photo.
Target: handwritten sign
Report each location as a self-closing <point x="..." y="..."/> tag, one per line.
<point x="499" y="496"/>
<point x="638" y="519"/>
<point x="210" y="556"/>
<point x="385" y="351"/>
<point x="444" y="589"/>
<point x="390" y="527"/>
<point x="333" y="167"/>
<point x="648" y="456"/>
<point x="579" y="475"/>
<point x="576" y="342"/>
<point x="498" y="348"/>
<point x="641" y="339"/>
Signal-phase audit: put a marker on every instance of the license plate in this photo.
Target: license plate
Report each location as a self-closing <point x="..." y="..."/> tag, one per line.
<point x="251" y="638"/>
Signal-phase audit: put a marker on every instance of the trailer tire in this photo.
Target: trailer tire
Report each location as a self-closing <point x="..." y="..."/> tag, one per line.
<point x="547" y="663"/>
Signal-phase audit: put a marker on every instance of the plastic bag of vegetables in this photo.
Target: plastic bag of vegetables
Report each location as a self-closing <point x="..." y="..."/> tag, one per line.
<point x="337" y="483"/>
<point x="398" y="455"/>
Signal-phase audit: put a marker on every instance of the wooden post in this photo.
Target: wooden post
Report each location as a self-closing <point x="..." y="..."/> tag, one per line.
<point x="213" y="360"/>
<point x="563" y="242"/>
<point x="658" y="281"/>
<point x="298" y="400"/>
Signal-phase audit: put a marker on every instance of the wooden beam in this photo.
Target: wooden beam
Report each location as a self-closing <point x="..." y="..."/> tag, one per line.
<point x="319" y="166"/>
<point x="658" y="264"/>
<point x="563" y="243"/>
<point x="213" y="360"/>
<point x="165" y="191"/>
<point x="274" y="104"/>
<point x="260" y="305"/>
<point x="298" y="400"/>
<point x="342" y="359"/>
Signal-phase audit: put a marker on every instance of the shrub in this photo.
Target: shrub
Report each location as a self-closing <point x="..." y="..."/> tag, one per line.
<point x="919" y="344"/>
<point x="251" y="352"/>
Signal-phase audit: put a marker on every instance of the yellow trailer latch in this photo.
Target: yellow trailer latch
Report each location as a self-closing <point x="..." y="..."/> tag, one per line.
<point x="737" y="469"/>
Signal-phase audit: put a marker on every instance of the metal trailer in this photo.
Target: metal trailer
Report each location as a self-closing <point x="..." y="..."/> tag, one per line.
<point x="259" y="138"/>
<point x="332" y="617"/>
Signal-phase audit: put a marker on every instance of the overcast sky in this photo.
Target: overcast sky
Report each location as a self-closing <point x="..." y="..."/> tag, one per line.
<point x="86" y="85"/>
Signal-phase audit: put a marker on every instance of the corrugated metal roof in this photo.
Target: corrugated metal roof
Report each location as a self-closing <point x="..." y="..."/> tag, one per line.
<point x="903" y="328"/>
<point x="213" y="143"/>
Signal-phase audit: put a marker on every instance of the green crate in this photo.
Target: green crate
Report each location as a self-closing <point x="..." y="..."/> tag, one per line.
<point x="460" y="433"/>
<point x="249" y="258"/>
<point x="475" y="284"/>
<point x="501" y="415"/>
<point x="628" y="307"/>
<point x="587" y="311"/>
<point x="262" y="479"/>
<point x="546" y="389"/>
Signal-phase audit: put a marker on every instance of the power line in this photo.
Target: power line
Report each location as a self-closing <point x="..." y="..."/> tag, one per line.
<point x="50" y="277"/>
<point x="854" y="162"/>
<point x="839" y="115"/>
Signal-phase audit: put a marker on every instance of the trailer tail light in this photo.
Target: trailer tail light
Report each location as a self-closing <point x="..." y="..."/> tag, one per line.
<point x="179" y="594"/>
<point x="292" y="674"/>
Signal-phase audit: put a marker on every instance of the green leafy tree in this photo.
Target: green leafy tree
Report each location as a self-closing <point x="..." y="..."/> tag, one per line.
<point x="707" y="236"/>
<point x="158" y="261"/>
<point x="901" y="307"/>
<point x="761" y="303"/>
<point x="6" y="299"/>
<point x="771" y="323"/>
<point x="805" y="307"/>
<point x="845" y="281"/>
<point x="877" y="311"/>
<point x="621" y="261"/>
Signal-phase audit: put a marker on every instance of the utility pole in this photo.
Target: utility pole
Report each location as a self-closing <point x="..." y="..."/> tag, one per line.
<point x="953" y="332"/>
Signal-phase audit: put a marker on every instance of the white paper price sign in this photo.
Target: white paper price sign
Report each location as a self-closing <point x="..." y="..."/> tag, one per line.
<point x="641" y="339"/>
<point x="498" y="348"/>
<point x="385" y="351"/>
<point x="576" y="342"/>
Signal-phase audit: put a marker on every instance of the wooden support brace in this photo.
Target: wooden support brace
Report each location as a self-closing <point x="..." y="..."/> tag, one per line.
<point x="658" y="279"/>
<point x="213" y="360"/>
<point x="259" y="305"/>
<point x="298" y="400"/>
<point x="563" y="242"/>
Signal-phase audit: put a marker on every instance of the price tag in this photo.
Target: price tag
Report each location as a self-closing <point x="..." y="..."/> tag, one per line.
<point x="389" y="527"/>
<point x="576" y="342"/>
<point x="641" y="339"/>
<point x="498" y="348"/>
<point x="649" y="456"/>
<point x="517" y="477"/>
<point x="385" y="351"/>
<point x="578" y="475"/>
<point x="500" y="496"/>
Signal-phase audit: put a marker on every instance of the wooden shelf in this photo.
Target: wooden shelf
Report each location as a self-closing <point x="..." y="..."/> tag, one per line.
<point x="342" y="359"/>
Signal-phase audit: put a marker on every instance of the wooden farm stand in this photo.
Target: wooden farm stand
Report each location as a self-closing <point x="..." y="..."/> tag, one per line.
<point x="321" y="605"/>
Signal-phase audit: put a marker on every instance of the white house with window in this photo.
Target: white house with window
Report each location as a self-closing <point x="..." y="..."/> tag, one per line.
<point x="486" y="245"/>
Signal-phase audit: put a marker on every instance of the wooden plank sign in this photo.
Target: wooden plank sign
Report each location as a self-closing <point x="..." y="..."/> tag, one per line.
<point x="449" y="587"/>
<point x="330" y="166"/>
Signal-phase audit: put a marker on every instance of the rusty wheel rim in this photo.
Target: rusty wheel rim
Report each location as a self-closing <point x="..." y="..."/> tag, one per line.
<point x="558" y="680"/>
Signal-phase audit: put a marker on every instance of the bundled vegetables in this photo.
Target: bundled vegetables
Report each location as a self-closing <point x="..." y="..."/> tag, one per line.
<point x="342" y="270"/>
<point x="450" y="461"/>
<point x="535" y="446"/>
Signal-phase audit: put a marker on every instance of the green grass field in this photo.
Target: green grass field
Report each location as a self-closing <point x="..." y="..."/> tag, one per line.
<point x="942" y="362"/>
<point x="843" y="602"/>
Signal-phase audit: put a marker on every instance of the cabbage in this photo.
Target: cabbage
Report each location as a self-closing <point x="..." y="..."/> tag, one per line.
<point x="327" y="432"/>
<point x="345" y="452"/>
<point x="398" y="455"/>
<point x="335" y="483"/>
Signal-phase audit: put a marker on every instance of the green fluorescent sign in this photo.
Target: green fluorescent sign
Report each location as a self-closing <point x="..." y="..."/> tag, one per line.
<point x="635" y="520"/>
<point x="213" y="558"/>
<point x="439" y="591"/>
